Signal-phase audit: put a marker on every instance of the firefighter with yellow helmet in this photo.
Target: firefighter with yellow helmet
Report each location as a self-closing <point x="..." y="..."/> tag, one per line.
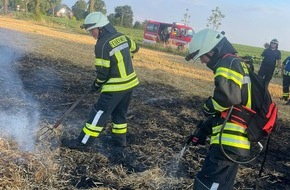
<point x="115" y="77"/>
<point x="232" y="87"/>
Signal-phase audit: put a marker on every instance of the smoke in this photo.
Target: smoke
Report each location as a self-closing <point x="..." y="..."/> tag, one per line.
<point x="18" y="111"/>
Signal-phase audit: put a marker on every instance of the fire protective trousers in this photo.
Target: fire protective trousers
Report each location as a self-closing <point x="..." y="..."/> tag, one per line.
<point x="286" y="84"/>
<point x="109" y="104"/>
<point x="217" y="172"/>
<point x="266" y="73"/>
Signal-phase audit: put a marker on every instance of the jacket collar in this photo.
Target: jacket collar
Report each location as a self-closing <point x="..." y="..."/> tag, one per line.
<point x="223" y="48"/>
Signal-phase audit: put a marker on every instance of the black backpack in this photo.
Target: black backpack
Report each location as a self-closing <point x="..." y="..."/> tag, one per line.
<point x="263" y="122"/>
<point x="260" y="120"/>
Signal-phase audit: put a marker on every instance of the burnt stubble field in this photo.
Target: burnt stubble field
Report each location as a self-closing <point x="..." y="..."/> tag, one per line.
<point x="160" y="118"/>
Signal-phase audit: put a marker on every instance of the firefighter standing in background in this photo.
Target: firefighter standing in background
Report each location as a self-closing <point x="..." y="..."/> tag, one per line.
<point x="116" y="78"/>
<point x="286" y="79"/>
<point x="271" y="59"/>
<point x="231" y="88"/>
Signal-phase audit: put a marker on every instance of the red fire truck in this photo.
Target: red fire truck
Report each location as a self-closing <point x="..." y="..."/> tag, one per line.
<point x="174" y="34"/>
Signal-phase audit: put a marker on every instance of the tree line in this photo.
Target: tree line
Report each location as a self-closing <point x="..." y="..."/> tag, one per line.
<point x="123" y="15"/>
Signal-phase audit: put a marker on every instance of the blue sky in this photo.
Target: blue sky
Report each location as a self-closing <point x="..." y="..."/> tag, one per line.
<point x="248" y="22"/>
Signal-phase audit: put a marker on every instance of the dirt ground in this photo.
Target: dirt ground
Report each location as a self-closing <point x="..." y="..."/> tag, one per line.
<point x="159" y="121"/>
<point x="160" y="118"/>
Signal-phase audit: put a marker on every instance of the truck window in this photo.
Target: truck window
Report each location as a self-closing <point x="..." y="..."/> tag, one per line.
<point x="176" y="32"/>
<point x="190" y="32"/>
<point x="187" y="32"/>
<point x="152" y="27"/>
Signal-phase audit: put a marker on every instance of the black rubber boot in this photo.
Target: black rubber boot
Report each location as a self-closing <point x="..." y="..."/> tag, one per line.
<point x="119" y="140"/>
<point x="77" y="143"/>
<point x="73" y="144"/>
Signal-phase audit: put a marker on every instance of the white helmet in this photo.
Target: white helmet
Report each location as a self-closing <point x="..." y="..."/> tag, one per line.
<point x="203" y="42"/>
<point x="95" y="20"/>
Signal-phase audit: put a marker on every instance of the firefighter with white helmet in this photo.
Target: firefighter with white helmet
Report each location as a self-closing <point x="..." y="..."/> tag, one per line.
<point x="271" y="61"/>
<point x="232" y="87"/>
<point x="204" y="42"/>
<point x="95" y="20"/>
<point x="115" y="77"/>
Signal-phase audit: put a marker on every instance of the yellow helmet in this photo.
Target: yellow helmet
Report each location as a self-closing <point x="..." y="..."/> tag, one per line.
<point x="95" y="20"/>
<point x="203" y="42"/>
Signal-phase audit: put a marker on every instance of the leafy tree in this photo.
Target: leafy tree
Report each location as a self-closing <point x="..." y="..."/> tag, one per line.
<point x="137" y="24"/>
<point x="37" y="9"/>
<point x="97" y="5"/>
<point x="26" y="2"/>
<point x="140" y="25"/>
<point x="113" y="20"/>
<point x="186" y="18"/>
<point x="45" y="6"/>
<point x="5" y="7"/>
<point x="125" y="15"/>
<point x="91" y="6"/>
<point x="214" y="21"/>
<point x="79" y="9"/>
<point x="12" y="3"/>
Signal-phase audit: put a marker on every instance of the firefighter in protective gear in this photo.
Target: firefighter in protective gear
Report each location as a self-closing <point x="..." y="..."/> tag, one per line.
<point x="116" y="79"/>
<point x="232" y="87"/>
<point x="271" y="60"/>
<point x="286" y="80"/>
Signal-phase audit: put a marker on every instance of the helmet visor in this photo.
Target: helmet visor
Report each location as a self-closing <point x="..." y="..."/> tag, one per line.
<point x="191" y="55"/>
<point x="86" y="26"/>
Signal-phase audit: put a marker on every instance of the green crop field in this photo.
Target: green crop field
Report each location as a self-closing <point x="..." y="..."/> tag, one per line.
<point x="137" y="35"/>
<point x="243" y="50"/>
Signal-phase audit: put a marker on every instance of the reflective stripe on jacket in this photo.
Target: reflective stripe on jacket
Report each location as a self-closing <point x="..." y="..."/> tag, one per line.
<point x="232" y="87"/>
<point x="113" y="62"/>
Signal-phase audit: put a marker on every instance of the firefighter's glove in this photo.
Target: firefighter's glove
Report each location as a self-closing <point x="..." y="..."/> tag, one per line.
<point x="95" y="87"/>
<point x="208" y="109"/>
<point x="199" y="137"/>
